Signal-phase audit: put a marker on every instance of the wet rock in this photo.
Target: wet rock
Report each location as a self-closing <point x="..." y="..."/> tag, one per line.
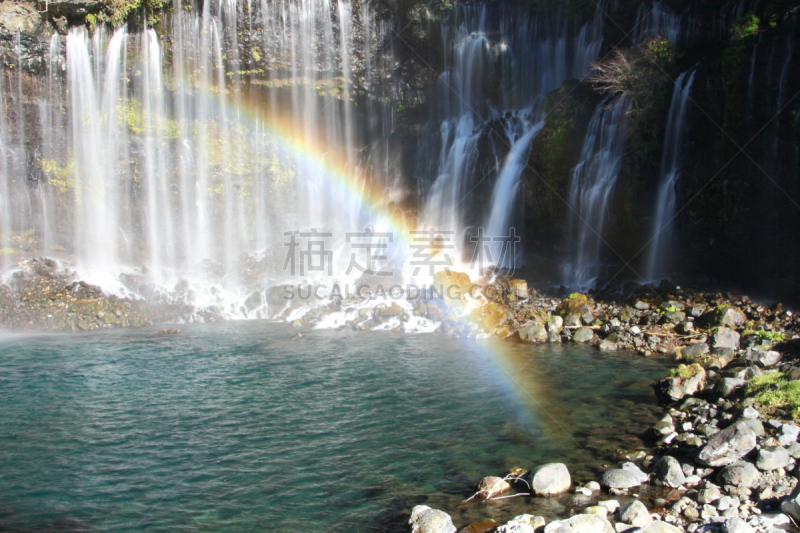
<point x="550" y="479"/>
<point x="617" y="478"/>
<point x="426" y="520"/>
<point x="533" y="333"/>
<point x="582" y="335"/>
<point x="727" y="446"/>
<point x="772" y="457"/>
<point x="635" y="514"/>
<point x="491" y="486"/>
<point x="725" y="338"/>
<point x="668" y="471"/>
<point x="554" y="327"/>
<point x="740" y="474"/>
<point x="484" y="526"/>
<point x="607" y="346"/>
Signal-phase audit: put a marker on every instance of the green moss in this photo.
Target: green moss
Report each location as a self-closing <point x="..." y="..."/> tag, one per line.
<point x="774" y="392"/>
<point x="686" y="371"/>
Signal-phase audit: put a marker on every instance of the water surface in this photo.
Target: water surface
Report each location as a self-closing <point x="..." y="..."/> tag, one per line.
<point x="239" y="426"/>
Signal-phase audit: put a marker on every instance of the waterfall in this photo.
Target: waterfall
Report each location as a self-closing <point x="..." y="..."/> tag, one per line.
<point x="500" y="62"/>
<point x="671" y="166"/>
<point x="591" y="185"/>
<point x="155" y="160"/>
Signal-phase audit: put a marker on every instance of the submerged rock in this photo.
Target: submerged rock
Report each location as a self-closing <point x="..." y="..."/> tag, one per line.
<point x="550" y="479"/>
<point x="426" y="520"/>
<point x="491" y="486"/>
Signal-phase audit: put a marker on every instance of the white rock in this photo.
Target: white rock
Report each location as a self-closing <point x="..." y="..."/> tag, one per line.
<point x="426" y="520"/>
<point x="641" y="477"/>
<point x="550" y="479"/>
<point x="611" y="505"/>
<point x="636" y="514"/>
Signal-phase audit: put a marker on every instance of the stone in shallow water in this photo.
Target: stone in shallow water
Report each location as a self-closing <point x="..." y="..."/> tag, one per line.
<point x="550" y="479"/>
<point x="582" y="523"/>
<point x="617" y="478"/>
<point x="636" y="471"/>
<point x="484" y="526"/>
<point x="491" y="486"/>
<point x="728" y="445"/>
<point x="582" y="335"/>
<point x="426" y="520"/>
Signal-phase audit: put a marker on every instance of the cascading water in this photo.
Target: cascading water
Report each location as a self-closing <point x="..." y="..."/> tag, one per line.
<point x="591" y="185"/>
<point x="671" y="166"/>
<point x="487" y="110"/>
<point x="162" y="160"/>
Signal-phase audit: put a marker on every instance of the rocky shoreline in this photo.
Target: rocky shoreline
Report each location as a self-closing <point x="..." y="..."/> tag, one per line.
<point x="725" y="452"/>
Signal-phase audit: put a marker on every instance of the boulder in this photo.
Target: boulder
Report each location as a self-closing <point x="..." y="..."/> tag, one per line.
<point x="736" y="525"/>
<point x="426" y="520"/>
<point x="725" y="338"/>
<point x="729" y="317"/>
<point x="772" y="457"/>
<point x="788" y="434"/>
<point x="762" y="357"/>
<point x="491" y="486"/>
<point x="518" y="287"/>
<point x="554" y="327"/>
<point x="728" y="446"/>
<point x="607" y="346"/>
<point x="669" y="472"/>
<point x="572" y="321"/>
<point x="635" y="514"/>
<point x="617" y="478"/>
<point x="582" y="335"/>
<point x="694" y="351"/>
<point x="740" y="474"/>
<point x="550" y="479"/>
<point x="727" y="386"/>
<point x="674" y="317"/>
<point x="533" y="333"/>
<point x="636" y="471"/>
<point x="791" y="505"/>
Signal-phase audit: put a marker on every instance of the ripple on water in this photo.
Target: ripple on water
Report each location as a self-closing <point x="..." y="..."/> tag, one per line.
<point x="238" y="426"/>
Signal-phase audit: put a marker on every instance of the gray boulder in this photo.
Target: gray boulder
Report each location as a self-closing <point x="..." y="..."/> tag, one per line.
<point x="727" y="386"/>
<point x="617" y="478"/>
<point x="736" y="525"/>
<point x="636" y="471"/>
<point x="582" y="335"/>
<point x="607" y="346"/>
<point x="554" y="327"/>
<point x="533" y="333"/>
<point x="725" y="338"/>
<point x="426" y="520"/>
<point x="582" y="523"/>
<point x="674" y="317"/>
<point x="772" y="457"/>
<point x="788" y="434"/>
<point x="635" y="514"/>
<point x="740" y="474"/>
<point x="550" y="479"/>
<point x="572" y="321"/>
<point x="791" y="505"/>
<point x="730" y="317"/>
<point x="669" y="472"/>
<point x="762" y="357"/>
<point x="693" y="351"/>
<point x="728" y="446"/>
